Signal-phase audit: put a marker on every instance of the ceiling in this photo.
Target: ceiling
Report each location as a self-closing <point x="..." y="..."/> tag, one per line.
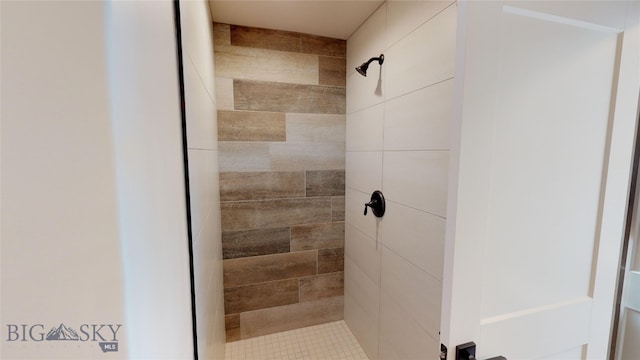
<point x="337" y="19"/>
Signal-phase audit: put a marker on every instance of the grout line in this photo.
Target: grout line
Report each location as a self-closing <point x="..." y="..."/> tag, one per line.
<point x="453" y="3"/>
<point x="399" y="96"/>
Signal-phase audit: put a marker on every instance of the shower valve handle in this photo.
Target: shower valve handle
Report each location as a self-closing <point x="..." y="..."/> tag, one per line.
<point x="377" y="204"/>
<point x="370" y="204"/>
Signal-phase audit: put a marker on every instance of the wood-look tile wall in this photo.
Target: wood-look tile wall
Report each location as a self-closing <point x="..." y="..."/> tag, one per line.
<point x="281" y="131"/>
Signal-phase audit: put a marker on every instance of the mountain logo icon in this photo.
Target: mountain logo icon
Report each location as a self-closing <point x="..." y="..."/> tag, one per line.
<point x="62" y="333"/>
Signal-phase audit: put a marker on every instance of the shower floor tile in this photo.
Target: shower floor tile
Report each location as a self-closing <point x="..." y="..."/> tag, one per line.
<point x="331" y="341"/>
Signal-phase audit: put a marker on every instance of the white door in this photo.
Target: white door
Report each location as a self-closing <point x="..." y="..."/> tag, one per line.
<point x="547" y="94"/>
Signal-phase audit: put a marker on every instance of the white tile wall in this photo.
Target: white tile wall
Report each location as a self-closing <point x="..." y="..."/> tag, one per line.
<point x="398" y="141"/>
<point x="362" y="310"/>
<point x="403" y="16"/>
<point x="364" y="326"/>
<point x="201" y="114"/>
<point x="413" y="290"/>
<point x="362" y="285"/>
<point x="364" y="253"/>
<point x="417" y="179"/>
<point x="400" y="335"/>
<point x="368" y="41"/>
<point x="202" y="174"/>
<point x="196" y="40"/>
<point x="209" y="303"/>
<point x="415" y="235"/>
<point x="200" y="110"/>
<point x="365" y="170"/>
<point x="364" y="129"/>
<point x="419" y="120"/>
<point x="424" y="57"/>
<point x="203" y="252"/>
<point x="363" y="92"/>
<point x="363" y="291"/>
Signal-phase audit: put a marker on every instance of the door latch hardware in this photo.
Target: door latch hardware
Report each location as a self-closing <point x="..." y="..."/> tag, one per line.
<point x="466" y="351"/>
<point x="443" y="352"/>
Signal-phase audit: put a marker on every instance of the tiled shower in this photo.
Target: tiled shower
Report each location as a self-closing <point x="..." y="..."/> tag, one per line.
<point x="281" y="132"/>
<point x="197" y="244"/>
<point x="303" y="140"/>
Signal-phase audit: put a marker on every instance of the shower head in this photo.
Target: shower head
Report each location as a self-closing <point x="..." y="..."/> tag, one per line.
<point x="362" y="69"/>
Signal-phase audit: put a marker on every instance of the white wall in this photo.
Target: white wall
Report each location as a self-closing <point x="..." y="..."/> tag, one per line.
<point x="202" y="142"/>
<point x="93" y="207"/>
<point x="398" y="141"/>
<point x="61" y="255"/>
